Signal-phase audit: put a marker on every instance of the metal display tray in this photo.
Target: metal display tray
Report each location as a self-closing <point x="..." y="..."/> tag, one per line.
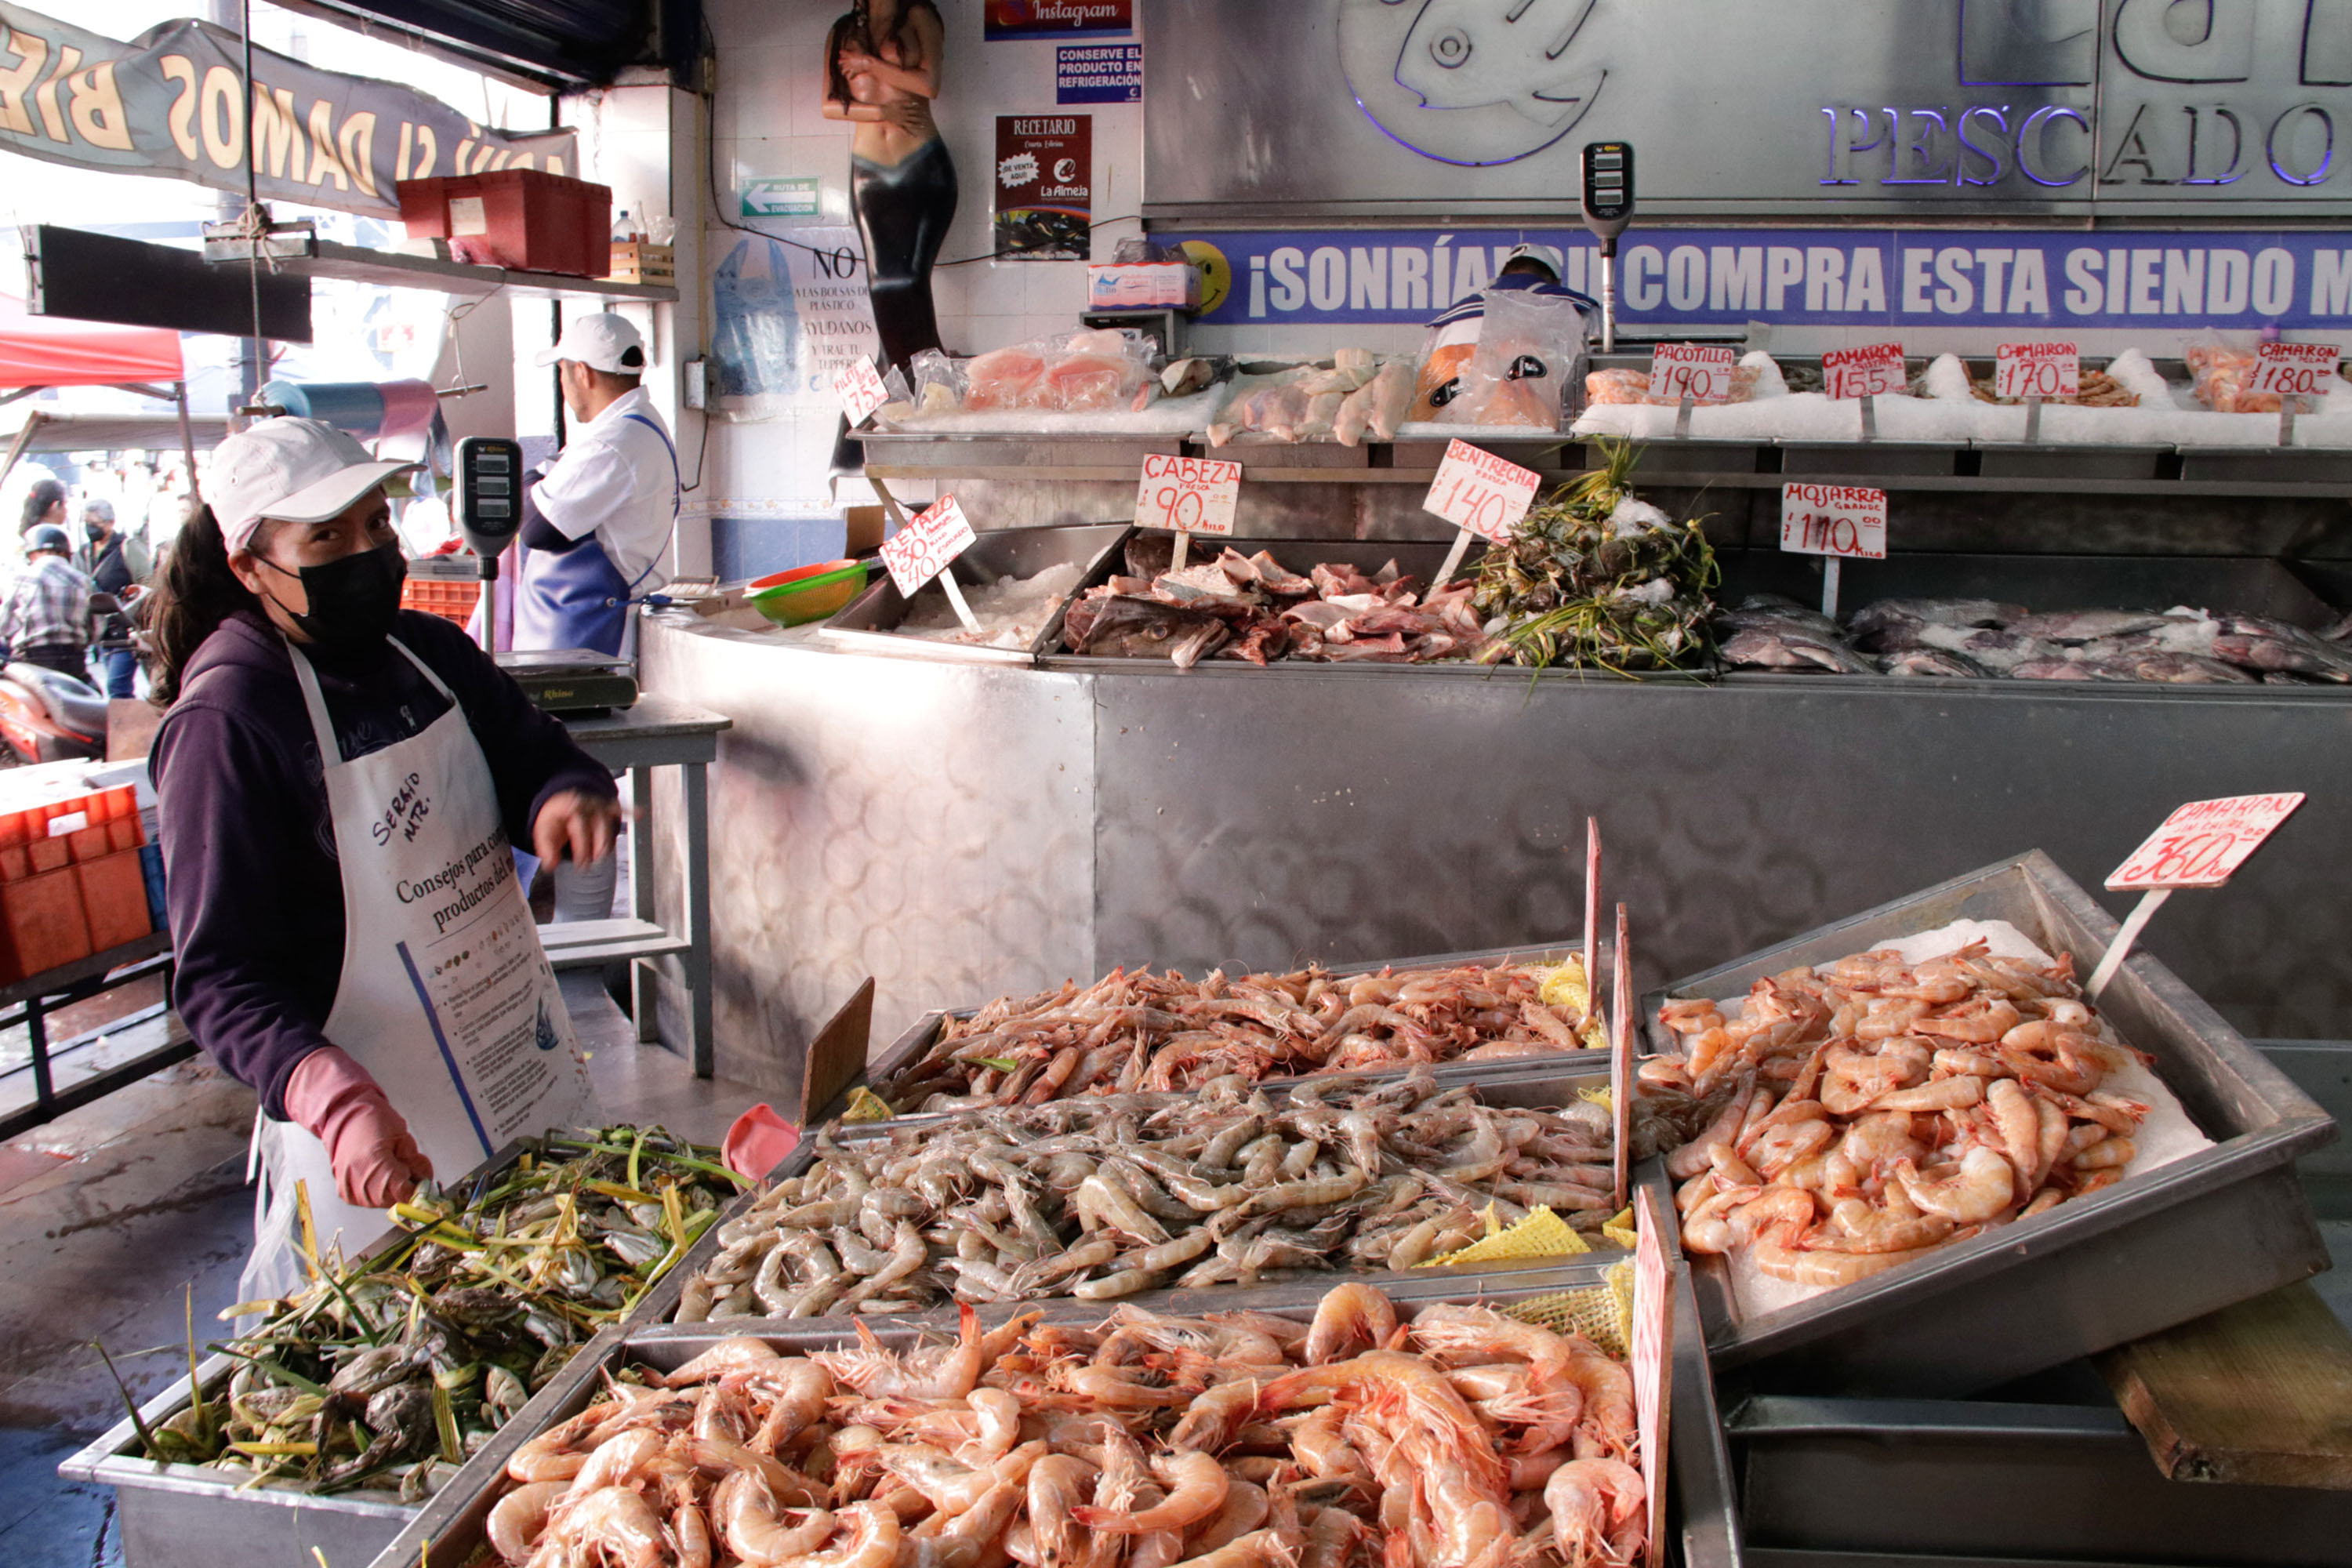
<point x="1533" y="1081"/>
<point x="191" y="1516"/>
<point x="2202" y="1233"/>
<point x="1701" y="1521"/>
<point x="869" y="623"/>
<point x="920" y="1035"/>
<point x="1927" y="1483"/>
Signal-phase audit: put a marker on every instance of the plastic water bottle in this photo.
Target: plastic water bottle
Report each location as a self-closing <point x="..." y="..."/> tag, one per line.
<point x="624" y="230"/>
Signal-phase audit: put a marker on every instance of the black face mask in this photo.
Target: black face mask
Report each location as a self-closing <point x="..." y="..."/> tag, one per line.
<point x="93" y="531"/>
<point x="354" y="598"/>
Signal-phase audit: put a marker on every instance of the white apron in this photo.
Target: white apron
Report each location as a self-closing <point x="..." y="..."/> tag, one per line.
<point x="446" y="996"/>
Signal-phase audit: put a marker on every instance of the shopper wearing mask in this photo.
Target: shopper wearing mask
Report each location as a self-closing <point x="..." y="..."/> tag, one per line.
<point x="117" y="565"/>
<point x="595" y="527"/>
<point x="350" y="938"/>
<point x="47" y="618"/>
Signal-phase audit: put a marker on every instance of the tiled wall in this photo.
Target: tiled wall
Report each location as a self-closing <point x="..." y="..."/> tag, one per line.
<point x="768" y="120"/>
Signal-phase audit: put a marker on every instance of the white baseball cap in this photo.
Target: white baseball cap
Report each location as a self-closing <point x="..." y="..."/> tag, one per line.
<point x="1550" y="256"/>
<point x="603" y="342"/>
<point x="293" y="470"/>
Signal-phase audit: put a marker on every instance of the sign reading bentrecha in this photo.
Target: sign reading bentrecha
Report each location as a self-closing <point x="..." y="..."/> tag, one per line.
<point x="172" y="102"/>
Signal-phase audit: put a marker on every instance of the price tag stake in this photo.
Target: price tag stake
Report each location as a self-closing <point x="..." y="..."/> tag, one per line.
<point x="1479" y="493"/>
<point x="2291" y="371"/>
<point x="1621" y="1060"/>
<point x="2033" y="371"/>
<point x="1837" y="520"/>
<point x="1187" y="496"/>
<point x="923" y="549"/>
<point x="2199" y="846"/>
<point x="1868" y="373"/>
<point x="860" y="386"/>
<point x="1592" y="916"/>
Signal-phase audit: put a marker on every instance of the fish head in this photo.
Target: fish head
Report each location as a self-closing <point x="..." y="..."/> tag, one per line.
<point x="1468" y="54"/>
<point x="1146" y="628"/>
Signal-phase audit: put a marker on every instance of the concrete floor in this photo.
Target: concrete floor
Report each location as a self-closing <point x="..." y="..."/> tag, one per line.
<point x="116" y="1218"/>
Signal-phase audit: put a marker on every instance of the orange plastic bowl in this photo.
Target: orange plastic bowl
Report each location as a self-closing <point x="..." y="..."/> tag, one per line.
<point x="807" y="593"/>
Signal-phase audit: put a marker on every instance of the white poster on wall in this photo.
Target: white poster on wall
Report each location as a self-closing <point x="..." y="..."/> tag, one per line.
<point x="786" y="316"/>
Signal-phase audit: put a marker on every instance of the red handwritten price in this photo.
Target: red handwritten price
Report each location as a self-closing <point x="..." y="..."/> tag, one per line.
<point x="922" y="549"/>
<point x="859" y="387"/>
<point x="1192" y="495"/>
<point x="1652" y="1356"/>
<point x="1834" y="520"/>
<point x="1480" y="492"/>
<point x="1700" y="371"/>
<point x="1873" y="371"/>
<point x="2294" y="370"/>
<point x="2036" y="370"/>
<point x="2204" y="844"/>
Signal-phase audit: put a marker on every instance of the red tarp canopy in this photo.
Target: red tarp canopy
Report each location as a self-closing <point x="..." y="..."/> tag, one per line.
<point x="51" y="351"/>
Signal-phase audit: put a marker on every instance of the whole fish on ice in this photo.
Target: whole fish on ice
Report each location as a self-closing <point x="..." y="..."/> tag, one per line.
<point x="1467" y="53"/>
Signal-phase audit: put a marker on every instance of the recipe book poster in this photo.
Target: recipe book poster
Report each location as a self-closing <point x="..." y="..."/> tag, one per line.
<point x="1058" y="18"/>
<point x="1044" y="175"/>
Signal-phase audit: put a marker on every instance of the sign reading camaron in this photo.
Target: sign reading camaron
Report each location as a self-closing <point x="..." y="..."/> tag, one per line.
<point x="173" y="102"/>
<point x="2159" y="106"/>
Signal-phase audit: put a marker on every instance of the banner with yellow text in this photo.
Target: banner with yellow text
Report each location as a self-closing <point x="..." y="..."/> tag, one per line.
<point x="171" y="102"/>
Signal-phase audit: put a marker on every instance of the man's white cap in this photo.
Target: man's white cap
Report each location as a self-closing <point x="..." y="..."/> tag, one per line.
<point x="1550" y="256"/>
<point x="294" y="470"/>
<point x="603" y="342"/>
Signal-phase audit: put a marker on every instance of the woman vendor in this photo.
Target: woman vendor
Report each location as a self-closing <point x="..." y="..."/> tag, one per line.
<point x="882" y="71"/>
<point x="340" y="782"/>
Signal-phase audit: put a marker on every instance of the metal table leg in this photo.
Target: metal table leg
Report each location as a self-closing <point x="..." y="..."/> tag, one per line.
<point x="698" y="915"/>
<point x="36" y="1029"/>
<point x="644" y="973"/>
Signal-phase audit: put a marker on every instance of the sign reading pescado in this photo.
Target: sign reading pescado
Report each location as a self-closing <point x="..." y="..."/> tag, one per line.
<point x="171" y="103"/>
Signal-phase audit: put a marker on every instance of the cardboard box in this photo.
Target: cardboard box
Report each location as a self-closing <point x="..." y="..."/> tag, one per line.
<point x="863" y="528"/>
<point x="1143" y="286"/>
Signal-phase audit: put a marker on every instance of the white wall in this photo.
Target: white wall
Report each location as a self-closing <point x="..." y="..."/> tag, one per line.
<point x="769" y="122"/>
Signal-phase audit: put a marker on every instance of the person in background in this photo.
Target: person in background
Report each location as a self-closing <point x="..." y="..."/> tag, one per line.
<point x="338" y="782"/>
<point x="45" y="502"/>
<point x="1454" y="331"/>
<point x="47" y="618"/>
<point x="117" y="565"/>
<point x="595" y="527"/>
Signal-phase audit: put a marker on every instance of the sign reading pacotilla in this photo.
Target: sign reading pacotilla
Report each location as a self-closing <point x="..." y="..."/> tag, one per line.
<point x="172" y="102"/>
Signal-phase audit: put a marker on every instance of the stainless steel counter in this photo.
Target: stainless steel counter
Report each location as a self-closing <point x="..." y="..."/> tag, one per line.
<point x="959" y="832"/>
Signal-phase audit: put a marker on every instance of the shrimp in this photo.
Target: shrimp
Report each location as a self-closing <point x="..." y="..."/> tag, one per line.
<point x="1116" y="1388"/>
<point x="2018" y="1123"/>
<point x="1213" y="1416"/>
<point x="1979" y="1022"/>
<point x="717" y="1456"/>
<point x="797" y="1389"/>
<point x="873" y="1539"/>
<point x="996" y="1413"/>
<point x="1319" y="1444"/>
<point x="1057" y="1483"/>
<point x="873" y="1371"/>
<point x="749" y="1522"/>
<point x="1349" y="1313"/>
<point x="1197" y="1484"/>
<point x="1480" y="1331"/>
<point x="1607" y="1392"/>
<point x="948" y="1485"/>
<point x="1588" y="1499"/>
<point x="612" y="1525"/>
<point x="617" y="1463"/>
<point x="1244" y="1509"/>
<point x="560" y="1452"/>
<point x="734" y="1354"/>
<point x="1985" y="1184"/>
<point x="1332" y="1540"/>
<point x="1258" y="1549"/>
<point x="517" y="1519"/>
<point x="1944" y="1094"/>
<point x="690" y="1534"/>
<point x="2109" y="1153"/>
<point x="1865" y="1227"/>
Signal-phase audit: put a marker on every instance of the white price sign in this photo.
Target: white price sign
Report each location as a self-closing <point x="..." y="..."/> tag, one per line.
<point x="921" y="551"/>
<point x="859" y="387"/>
<point x="1834" y="520"/>
<point x="1873" y="371"/>
<point x="1700" y="371"/>
<point x="1190" y="494"/>
<point x="2294" y="370"/>
<point x="1480" y="492"/>
<point x="2204" y="844"/>
<point x="2036" y="370"/>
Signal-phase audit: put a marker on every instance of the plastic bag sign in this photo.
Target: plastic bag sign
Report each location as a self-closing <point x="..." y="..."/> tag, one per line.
<point x="1189" y="495"/>
<point x="1652" y="1359"/>
<point x="2204" y="844"/>
<point x="1700" y="371"/>
<point x="2294" y="370"/>
<point x="860" y="386"/>
<point x="921" y="551"/>
<point x="1834" y="520"/>
<point x="1873" y="371"/>
<point x="1480" y="492"/>
<point x="2036" y="370"/>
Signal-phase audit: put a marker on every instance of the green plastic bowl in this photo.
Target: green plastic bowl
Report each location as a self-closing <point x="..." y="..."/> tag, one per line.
<point x="810" y="593"/>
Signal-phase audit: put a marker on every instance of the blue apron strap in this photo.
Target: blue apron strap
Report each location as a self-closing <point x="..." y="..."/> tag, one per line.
<point x="676" y="497"/>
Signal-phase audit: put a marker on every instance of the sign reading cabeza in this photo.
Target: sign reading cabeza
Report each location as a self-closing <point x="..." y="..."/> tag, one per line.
<point x="173" y="102"/>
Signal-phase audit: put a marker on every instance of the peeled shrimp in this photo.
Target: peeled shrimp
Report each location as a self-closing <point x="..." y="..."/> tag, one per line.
<point x="1984" y="1185"/>
<point x="1775" y="1256"/>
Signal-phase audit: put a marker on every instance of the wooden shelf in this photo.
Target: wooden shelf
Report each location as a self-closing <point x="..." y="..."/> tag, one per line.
<point x="305" y="257"/>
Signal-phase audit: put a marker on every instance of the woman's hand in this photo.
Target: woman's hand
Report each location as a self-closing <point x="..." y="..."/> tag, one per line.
<point x="576" y="820"/>
<point x="376" y="1158"/>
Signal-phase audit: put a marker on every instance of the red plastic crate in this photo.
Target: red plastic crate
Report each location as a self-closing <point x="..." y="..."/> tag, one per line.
<point x="526" y="219"/>
<point x="451" y="599"/>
